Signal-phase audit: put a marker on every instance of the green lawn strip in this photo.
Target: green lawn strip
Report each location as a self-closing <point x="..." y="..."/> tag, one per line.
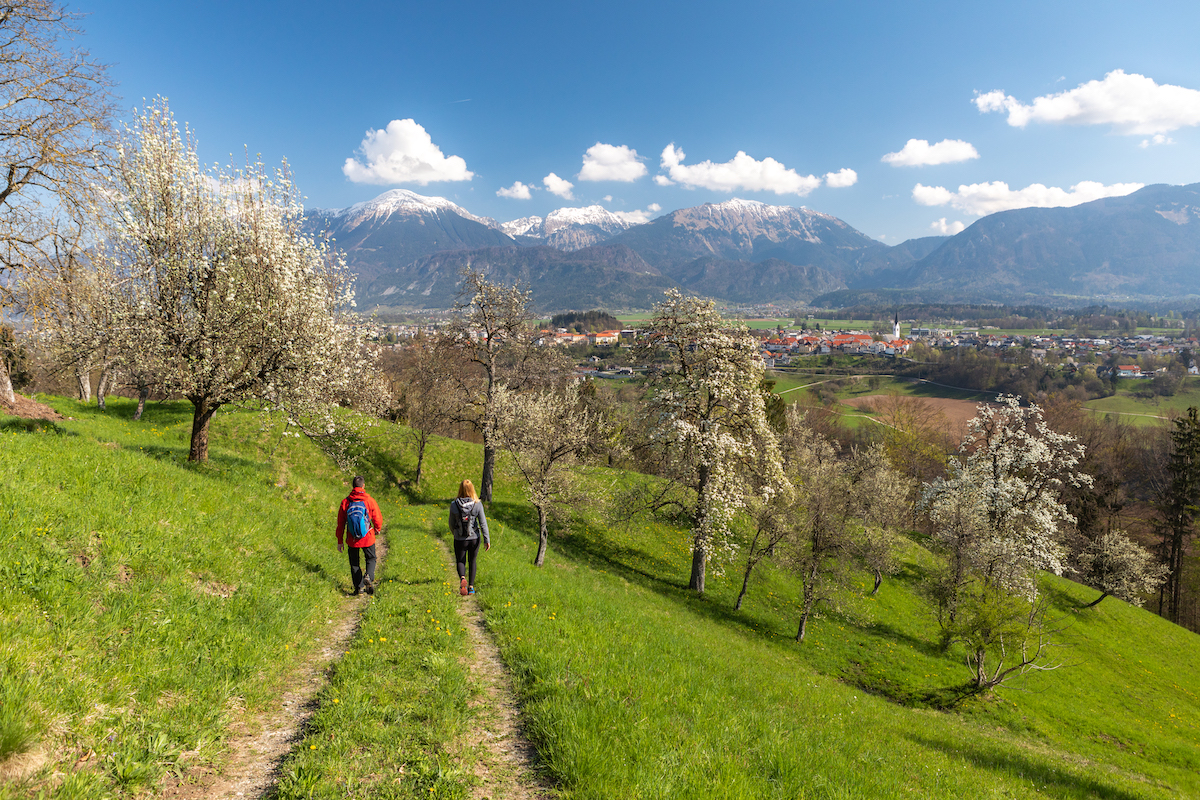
<point x="146" y="604"/>
<point x="394" y="720"/>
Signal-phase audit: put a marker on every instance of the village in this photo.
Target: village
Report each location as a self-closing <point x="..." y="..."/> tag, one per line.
<point x="1129" y="356"/>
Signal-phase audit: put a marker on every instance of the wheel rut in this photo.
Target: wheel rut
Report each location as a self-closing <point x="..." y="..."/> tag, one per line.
<point x="259" y="745"/>
<point x="508" y="768"/>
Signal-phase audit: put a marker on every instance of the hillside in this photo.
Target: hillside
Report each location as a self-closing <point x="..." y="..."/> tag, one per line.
<point x="602" y="276"/>
<point x="1145" y="245"/>
<point x="630" y="685"/>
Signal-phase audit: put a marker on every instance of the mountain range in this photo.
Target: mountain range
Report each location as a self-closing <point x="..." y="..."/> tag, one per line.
<point x="408" y="249"/>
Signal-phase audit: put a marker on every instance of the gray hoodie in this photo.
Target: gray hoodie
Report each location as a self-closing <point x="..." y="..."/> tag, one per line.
<point x="467" y="520"/>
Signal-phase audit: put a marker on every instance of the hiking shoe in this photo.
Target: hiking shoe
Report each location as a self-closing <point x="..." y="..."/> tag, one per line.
<point x="369" y="586"/>
<point x="462" y="587"/>
<point x="355" y="592"/>
<point x="470" y="590"/>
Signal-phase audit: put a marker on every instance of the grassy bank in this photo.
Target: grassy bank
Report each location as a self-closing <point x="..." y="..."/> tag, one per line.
<point x="168" y="617"/>
<point x="633" y="687"/>
<point x="149" y="606"/>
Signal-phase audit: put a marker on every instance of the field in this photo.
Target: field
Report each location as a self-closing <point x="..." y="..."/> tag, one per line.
<point x="1147" y="411"/>
<point x="629" y="684"/>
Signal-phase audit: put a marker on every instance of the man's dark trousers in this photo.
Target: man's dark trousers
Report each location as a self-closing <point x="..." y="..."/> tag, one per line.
<point x="356" y="573"/>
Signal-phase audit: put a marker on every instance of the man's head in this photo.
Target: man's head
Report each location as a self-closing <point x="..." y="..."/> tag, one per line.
<point x="358" y="482"/>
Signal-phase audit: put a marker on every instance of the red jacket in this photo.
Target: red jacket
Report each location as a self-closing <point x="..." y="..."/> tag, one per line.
<point x="372" y="510"/>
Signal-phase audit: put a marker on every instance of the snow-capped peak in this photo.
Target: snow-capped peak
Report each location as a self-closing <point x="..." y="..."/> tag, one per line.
<point x="525" y="226"/>
<point x="403" y="202"/>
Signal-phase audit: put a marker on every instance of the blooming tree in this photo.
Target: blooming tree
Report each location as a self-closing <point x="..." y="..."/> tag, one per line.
<point x="998" y="515"/>
<point x="1120" y="567"/>
<point x="216" y="284"/>
<point x="706" y="418"/>
<point x="545" y="432"/>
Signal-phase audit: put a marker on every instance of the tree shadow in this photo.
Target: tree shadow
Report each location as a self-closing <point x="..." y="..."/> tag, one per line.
<point x="1017" y="766"/>
<point x="309" y="566"/>
<point x="21" y="425"/>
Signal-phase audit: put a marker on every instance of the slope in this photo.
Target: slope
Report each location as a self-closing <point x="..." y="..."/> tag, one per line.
<point x="602" y="276"/>
<point x="1141" y="246"/>
<point x="156" y="616"/>
<point x="632" y="686"/>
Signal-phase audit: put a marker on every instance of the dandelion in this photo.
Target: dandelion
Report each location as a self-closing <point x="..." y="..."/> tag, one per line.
<point x="312" y="747"/>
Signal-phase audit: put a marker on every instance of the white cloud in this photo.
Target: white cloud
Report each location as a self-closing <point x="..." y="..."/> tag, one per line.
<point x="740" y="173"/>
<point x="948" y="228"/>
<point x="988" y="198"/>
<point x="920" y="153"/>
<point x="403" y="153"/>
<point x="841" y="179"/>
<point x="606" y="162"/>
<point x="559" y="186"/>
<point x="1132" y="104"/>
<point x="608" y="198"/>
<point x="639" y="217"/>
<point x="518" y="191"/>
<point x="1157" y="138"/>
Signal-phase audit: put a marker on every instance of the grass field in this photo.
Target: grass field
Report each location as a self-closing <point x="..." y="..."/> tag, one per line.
<point x="1151" y="411"/>
<point x="630" y="685"/>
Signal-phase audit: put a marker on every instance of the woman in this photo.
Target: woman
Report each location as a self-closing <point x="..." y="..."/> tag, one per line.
<point x="467" y="522"/>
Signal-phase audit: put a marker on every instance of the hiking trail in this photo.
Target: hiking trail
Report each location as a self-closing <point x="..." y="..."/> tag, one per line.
<point x="508" y="768"/>
<point x="259" y="745"/>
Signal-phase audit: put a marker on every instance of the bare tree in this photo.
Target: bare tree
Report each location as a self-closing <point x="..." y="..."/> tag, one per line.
<point x="491" y="331"/>
<point x="55" y="108"/>
<point x="422" y="385"/>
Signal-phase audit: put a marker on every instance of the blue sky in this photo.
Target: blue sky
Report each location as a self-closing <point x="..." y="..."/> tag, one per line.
<point x="507" y="93"/>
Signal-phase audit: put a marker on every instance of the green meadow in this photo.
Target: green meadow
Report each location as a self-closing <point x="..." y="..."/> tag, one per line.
<point x="149" y="607"/>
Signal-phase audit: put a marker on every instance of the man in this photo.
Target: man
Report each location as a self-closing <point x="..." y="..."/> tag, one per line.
<point x="358" y="520"/>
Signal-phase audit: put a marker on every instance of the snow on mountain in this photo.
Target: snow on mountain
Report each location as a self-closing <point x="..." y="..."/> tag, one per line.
<point x="399" y="202"/>
<point x="525" y="226"/>
<point x="574" y="228"/>
<point x="598" y="216"/>
<point x="753" y="215"/>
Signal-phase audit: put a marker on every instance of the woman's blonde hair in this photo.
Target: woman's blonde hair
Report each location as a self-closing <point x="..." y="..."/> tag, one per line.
<point x="467" y="489"/>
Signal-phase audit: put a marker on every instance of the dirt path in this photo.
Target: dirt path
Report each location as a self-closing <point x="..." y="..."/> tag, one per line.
<point x="508" y="769"/>
<point x="259" y="745"/>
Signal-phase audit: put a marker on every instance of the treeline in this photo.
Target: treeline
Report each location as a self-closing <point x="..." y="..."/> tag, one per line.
<point x="990" y="370"/>
<point x="1084" y="321"/>
<point x="586" y="321"/>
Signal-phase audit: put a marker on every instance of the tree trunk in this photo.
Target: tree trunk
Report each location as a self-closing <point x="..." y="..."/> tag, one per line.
<point x="489" y="466"/>
<point x="102" y="388"/>
<point x="83" y="383"/>
<point x="750" y="562"/>
<point x="541" y="551"/>
<point x="699" y="549"/>
<point x="745" y="583"/>
<point x="420" y="459"/>
<point x="143" y="394"/>
<point x="803" y="629"/>
<point x="1095" y="602"/>
<point x="699" y="561"/>
<point x="878" y="583"/>
<point x="6" y="387"/>
<point x="201" y="417"/>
